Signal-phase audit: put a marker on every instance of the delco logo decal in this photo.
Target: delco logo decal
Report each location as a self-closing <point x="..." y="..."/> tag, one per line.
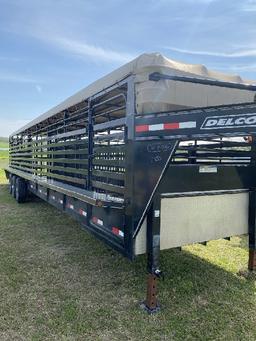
<point x="229" y="121"/>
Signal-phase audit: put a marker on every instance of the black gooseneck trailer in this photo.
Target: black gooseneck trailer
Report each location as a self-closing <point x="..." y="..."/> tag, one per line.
<point x="112" y="169"/>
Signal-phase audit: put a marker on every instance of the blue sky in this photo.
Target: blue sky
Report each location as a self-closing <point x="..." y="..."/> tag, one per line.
<point x="50" y="49"/>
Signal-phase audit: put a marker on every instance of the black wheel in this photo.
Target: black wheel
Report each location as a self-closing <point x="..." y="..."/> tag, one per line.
<point x="14" y="178"/>
<point x="10" y="184"/>
<point x="21" y="190"/>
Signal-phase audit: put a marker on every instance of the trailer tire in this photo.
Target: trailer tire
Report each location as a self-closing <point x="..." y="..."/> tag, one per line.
<point x="10" y="184"/>
<point x="21" y="190"/>
<point x="14" y="178"/>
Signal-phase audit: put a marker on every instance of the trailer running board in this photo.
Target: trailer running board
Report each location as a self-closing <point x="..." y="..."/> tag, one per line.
<point x="89" y="197"/>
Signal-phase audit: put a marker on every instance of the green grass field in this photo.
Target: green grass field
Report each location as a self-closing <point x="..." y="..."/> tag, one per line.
<point x="4" y="142"/>
<point x="57" y="282"/>
<point x="3" y="153"/>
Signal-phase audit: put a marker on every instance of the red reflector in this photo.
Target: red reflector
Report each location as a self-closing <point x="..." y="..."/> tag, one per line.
<point x="115" y="230"/>
<point x="142" y="128"/>
<point x="171" y="125"/>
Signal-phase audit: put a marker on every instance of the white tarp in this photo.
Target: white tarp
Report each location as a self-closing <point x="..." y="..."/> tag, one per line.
<point x="164" y="94"/>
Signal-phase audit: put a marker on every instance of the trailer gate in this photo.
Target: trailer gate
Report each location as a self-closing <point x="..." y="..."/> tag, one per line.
<point x="111" y="168"/>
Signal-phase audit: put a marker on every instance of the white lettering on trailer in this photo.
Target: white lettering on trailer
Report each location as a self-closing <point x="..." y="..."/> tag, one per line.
<point x="229" y="121"/>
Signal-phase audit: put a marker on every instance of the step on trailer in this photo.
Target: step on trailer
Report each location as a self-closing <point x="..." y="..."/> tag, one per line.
<point x="155" y="155"/>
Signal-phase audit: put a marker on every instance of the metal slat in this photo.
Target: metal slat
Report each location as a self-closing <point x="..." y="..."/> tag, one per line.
<point x="72" y="133"/>
<point x="66" y="178"/>
<point x="108" y="187"/>
<point x="119" y="149"/>
<point x="82" y="171"/>
<point x="109" y="137"/>
<point x="156" y="76"/>
<point x="110" y="124"/>
<point x="57" y="152"/>
<point x="110" y="175"/>
<point x="20" y="163"/>
<point x="60" y="160"/>
<point x="51" y="145"/>
<point x="105" y="162"/>
<point x="23" y="168"/>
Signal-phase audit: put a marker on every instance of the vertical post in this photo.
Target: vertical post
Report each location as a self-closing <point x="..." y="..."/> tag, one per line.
<point x="129" y="169"/>
<point x="153" y="252"/>
<point x="90" y="144"/>
<point x="252" y="230"/>
<point x="65" y="117"/>
<point x="252" y="210"/>
<point x="90" y="135"/>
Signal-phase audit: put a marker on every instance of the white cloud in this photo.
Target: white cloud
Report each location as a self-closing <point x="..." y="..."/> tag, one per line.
<point x="74" y="46"/>
<point x="60" y="38"/>
<point x="244" y="67"/>
<point x="249" y="6"/>
<point x="39" y="88"/>
<point x="8" y="126"/>
<point x="236" y="54"/>
<point x="15" y="78"/>
<point x="82" y="49"/>
<point x="161" y="3"/>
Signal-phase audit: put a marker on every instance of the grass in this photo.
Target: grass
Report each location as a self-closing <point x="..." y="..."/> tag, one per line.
<point x="3" y="160"/>
<point x="3" y="153"/>
<point x="58" y="282"/>
<point x="4" y="142"/>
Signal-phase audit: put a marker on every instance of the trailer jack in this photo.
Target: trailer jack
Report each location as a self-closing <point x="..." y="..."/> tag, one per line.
<point x="151" y="305"/>
<point x="252" y="227"/>
<point x="252" y="260"/>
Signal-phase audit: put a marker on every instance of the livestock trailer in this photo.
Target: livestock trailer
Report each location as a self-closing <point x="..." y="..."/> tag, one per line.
<point x="156" y="155"/>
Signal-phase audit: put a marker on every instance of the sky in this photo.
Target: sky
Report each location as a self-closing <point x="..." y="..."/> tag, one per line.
<point x="52" y="48"/>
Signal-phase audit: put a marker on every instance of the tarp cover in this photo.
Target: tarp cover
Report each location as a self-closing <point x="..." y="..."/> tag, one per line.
<point x="162" y="95"/>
